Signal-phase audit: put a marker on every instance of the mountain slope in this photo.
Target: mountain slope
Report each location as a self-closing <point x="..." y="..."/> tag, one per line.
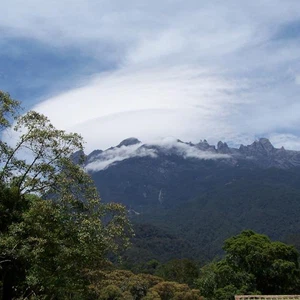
<point x="201" y="194"/>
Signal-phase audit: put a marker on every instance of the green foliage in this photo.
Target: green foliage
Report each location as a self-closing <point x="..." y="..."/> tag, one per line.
<point x="151" y="266"/>
<point x="179" y="270"/>
<point x="152" y="295"/>
<point x="111" y="292"/>
<point x="126" y="281"/>
<point x="207" y="281"/>
<point x="8" y="110"/>
<point x="173" y="290"/>
<point x="55" y="249"/>
<point x="274" y="264"/>
<point x="56" y="235"/>
<point x="235" y="198"/>
<point x="140" y="286"/>
<point x="47" y="153"/>
<point x="47" y="247"/>
<point x="253" y="265"/>
<point x="154" y="243"/>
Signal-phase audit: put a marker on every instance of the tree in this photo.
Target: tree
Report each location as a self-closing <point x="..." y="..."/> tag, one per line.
<point x="47" y="151"/>
<point x="109" y="284"/>
<point x="253" y="265"/>
<point x="274" y="264"/>
<point x="8" y="110"/>
<point x="53" y="227"/>
<point x="173" y="290"/>
<point x="179" y="270"/>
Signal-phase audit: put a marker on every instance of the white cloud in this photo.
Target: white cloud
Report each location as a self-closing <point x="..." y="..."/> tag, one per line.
<point x="117" y="154"/>
<point x="142" y="30"/>
<point x="191" y="69"/>
<point x="113" y="155"/>
<point x="178" y="101"/>
<point x="185" y="150"/>
<point x="288" y="141"/>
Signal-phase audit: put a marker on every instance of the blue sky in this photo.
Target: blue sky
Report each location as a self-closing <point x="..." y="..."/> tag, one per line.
<point x="111" y="69"/>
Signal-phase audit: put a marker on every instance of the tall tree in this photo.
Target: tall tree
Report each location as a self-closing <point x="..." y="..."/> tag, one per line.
<point x="274" y="264"/>
<point x="179" y="270"/>
<point x="47" y="246"/>
<point x="253" y="264"/>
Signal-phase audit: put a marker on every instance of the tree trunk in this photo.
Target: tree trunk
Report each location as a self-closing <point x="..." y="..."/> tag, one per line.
<point x="8" y="277"/>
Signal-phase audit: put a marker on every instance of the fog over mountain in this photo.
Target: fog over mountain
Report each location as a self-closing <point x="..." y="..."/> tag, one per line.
<point x="134" y="148"/>
<point x="261" y="152"/>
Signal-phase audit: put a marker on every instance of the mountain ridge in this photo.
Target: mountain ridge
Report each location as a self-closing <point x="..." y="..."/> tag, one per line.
<point x="261" y="152"/>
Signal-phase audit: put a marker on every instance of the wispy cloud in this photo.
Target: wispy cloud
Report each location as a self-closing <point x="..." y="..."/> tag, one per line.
<point x="184" y="150"/>
<point x="146" y="104"/>
<point x="117" y="154"/>
<point x="113" y="155"/>
<point x="289" y="141"/>
<point x="191" y="69"/>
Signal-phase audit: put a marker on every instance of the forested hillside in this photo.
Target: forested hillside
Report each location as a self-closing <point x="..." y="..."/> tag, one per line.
<point x="198" y="202"/>
<point x="59" y="240"/>
<point x="257" y="201"/>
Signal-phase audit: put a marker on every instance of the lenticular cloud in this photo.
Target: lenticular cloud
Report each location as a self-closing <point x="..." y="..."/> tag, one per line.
<point x="179" y="101"/>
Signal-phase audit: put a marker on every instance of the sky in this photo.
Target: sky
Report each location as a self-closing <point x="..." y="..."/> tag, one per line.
<point x="193" y="69"/>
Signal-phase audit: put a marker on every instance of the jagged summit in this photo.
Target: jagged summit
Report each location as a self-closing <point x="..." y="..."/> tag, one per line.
<point x="223" y="147"/>
<point x="205" y="146"/>
<point x="260" y="146"/>
<point x="129" y="142"/>
<point x="261" y="152"/>
<point x="265" y="141"/>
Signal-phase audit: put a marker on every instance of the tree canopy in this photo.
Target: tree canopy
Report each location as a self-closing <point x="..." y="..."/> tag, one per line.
<point x="53" y="226"/>
<point x="253" y="265"/>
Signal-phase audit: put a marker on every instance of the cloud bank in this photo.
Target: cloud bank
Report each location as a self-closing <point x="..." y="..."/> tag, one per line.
<point x="190" y="69"/>
<point x="117" y="154"/>
<point x="168" y="145"/>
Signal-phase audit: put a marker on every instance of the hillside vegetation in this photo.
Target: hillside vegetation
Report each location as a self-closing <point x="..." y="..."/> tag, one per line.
<point x="58" y="240"/>
<point x="196" y="204"/>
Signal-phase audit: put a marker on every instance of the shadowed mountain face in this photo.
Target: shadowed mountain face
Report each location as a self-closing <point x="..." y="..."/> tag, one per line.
<point x="201" y="194"/>
<point x="171" y="172"/>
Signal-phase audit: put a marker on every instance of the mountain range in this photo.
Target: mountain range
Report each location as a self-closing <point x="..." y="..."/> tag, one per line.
<point x="261" y="152"/>
<point x="185" y="199"/>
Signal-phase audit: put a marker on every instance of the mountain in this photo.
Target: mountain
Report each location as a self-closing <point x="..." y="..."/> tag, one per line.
<point x="261" y="152"/>
<point x="199" y="194"/>
<point x="170" y="171"/>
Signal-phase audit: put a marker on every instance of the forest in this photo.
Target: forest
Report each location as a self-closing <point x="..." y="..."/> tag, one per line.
<point x="58" y="240"/>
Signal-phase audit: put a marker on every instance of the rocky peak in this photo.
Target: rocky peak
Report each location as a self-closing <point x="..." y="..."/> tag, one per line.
<point x="282" y="148"/>
<point x="260" y="147"/>
<point x="205" y="146"/>
<point x="266" y="144"/>
<point x="223" y="147"/>
<point x="129" y="142"/>
<point x="93" y="155"/>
